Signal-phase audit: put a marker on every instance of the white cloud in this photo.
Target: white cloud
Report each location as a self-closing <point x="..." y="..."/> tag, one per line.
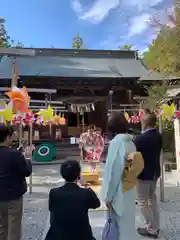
<point x="139" y="24"/>
<point x="76" y="6"/>
<point x="141" y="4"/>
<point x="98" y="12"/>
<point x="101" y="8"/>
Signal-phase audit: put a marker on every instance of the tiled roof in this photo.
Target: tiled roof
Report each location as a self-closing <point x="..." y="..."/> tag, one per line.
<point x="73" y="67"/>
<point x="72" y="63"/>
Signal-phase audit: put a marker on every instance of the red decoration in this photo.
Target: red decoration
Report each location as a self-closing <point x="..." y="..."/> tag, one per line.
<point x="177" y="114"/>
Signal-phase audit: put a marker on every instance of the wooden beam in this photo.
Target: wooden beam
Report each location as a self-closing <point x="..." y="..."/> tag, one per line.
<point x="86" y="98"/>
<point x="32" y="90"/>
<point x="166" y="98"/>
<point x="129" y="105"/>
<point x="42" y="101"/>
<point x="14" y="52"/>
<point x="43" y="107"/>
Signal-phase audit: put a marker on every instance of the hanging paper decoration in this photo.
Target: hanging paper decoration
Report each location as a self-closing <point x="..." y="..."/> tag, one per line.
<point x="132" y="119"/>
<point x="59" y="120"/>
<point x="141" y="114"/>
<point x="126" y="116"/>
<point x="6" y="114"/>
<point x="62" y="120"/>
<point x="19" y="99"/>
<point x="177" y="114"/>
<point x="25" y="119"/>
<point x="168" y="111"/>
<point x="46" y="114"/>
<point x="56" y="119"/>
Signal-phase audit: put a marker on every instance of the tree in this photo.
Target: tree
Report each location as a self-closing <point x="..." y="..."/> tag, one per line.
<point x="126" y="47"/>
<point x="78" y="42"/>
<point x="158" y="21"/>
<point x="177" y="40"/>
<point x="4" y="38"/>
<point x="160" y="55"/>
<point x="157" y="93"/>
<point x="163" y="53"/>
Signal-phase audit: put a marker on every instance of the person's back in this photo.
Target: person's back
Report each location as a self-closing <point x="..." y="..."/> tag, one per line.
<point x="150" y="144"/>
<point x="13" y="170"/>
<point x="69" y="207"/>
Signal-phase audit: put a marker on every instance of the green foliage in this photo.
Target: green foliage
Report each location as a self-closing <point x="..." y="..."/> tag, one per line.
<point x="156" y="94"/>
<point x="163" y="53"/>
<point x="168" y="136"/>
<point x="126" y="47"/>
<point x="4" y="38"/>
<point x="77" y="42"/>
<point x="177" y="40"/>
<point x="160" y="55"/>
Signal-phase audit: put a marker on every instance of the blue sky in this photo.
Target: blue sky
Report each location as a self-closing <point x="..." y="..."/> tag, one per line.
<point x="103" y="24"/>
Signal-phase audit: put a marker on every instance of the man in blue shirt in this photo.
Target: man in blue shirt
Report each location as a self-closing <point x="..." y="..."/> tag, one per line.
<point x="149" y="143"/>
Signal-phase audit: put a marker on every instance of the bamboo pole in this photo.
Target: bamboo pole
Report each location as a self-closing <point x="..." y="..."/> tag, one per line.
<point x="20" y="133"/>
<point x="162" y="197"/>
<point x="30" y="144"/>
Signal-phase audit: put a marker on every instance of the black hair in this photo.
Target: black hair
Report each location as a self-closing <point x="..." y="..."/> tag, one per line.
<point x="117" y="123"/>
<point x="149" y="119"/>
<point x="92" y="127"/>
<point x="70" y="170"/>
<point x="5" y="131"/>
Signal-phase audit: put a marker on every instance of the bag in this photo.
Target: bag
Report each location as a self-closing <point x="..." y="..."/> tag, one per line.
<point x="134" y="164"/>
<point x="110" y="231"/>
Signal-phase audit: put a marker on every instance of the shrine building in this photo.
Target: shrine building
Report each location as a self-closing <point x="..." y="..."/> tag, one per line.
<point x="83" y="85"/>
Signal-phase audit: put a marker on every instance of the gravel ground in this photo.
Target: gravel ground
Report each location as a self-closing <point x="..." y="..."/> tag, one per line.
<point x="35" y="217"/>
<point x="169" y="217"/>
<point x="36" y="209"/>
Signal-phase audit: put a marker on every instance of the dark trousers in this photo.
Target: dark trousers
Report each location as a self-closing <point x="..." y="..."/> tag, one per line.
<point x="11" y="219"/>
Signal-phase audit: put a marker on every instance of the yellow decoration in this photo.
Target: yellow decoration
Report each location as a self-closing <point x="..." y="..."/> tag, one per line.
<point x="163" y="116"/>
<point x="168" y="111"/>
<point x="46" y="114"/>
<point x="6" y="114"/>
<point x="126" y="115"/>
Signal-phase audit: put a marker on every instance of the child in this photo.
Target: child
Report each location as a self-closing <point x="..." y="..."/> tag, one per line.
<point x="69" y="206"/>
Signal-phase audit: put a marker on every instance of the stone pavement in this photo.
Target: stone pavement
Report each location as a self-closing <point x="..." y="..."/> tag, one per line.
<point x="45" y="177"/>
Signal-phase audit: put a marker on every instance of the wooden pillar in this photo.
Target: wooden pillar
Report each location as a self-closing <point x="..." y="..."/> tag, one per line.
<point x="101" y="113"/>
<point x="78" y="119"/>
<point x="130" y="98"/>
<point x="14" y="80"/>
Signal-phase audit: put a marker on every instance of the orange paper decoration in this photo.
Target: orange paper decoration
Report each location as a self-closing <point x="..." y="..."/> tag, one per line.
<point x="56" y="119"/>
<point x="62" y="120"/>
<point x="19" y="99"/>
